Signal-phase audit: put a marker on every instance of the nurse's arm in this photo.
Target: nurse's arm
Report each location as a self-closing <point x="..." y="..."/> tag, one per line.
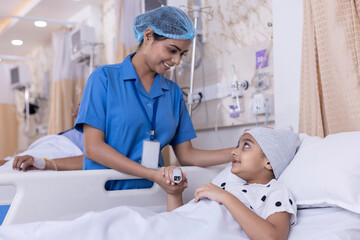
<point x="187" y="155"/>
<point x="97" y="150"/>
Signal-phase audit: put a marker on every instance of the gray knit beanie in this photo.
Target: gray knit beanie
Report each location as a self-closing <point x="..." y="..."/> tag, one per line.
<point x="279" y="146"/>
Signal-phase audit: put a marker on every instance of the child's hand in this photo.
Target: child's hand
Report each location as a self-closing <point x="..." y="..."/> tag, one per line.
<point x="210" y="191"/>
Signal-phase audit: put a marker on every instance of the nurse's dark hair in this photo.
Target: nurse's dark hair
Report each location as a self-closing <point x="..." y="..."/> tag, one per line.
<point x="157" y="37"/>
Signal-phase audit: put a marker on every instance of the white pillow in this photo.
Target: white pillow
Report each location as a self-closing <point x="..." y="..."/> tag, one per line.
<point x="326" y="172"/>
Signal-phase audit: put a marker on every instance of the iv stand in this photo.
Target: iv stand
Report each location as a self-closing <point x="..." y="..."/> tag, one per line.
<point x="190" y="95"/>
<point x="196" y="10"/>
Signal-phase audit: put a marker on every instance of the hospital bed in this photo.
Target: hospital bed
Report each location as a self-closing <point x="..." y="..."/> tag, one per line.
<point x="326" y="192"/>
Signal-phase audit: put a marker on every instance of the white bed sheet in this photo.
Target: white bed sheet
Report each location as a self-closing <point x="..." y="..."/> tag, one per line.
<point x="330" y="223"/>
<point x="192" y="221"/>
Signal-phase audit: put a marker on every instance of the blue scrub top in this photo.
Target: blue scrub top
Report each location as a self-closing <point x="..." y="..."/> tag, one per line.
<point x="109" y="104"/>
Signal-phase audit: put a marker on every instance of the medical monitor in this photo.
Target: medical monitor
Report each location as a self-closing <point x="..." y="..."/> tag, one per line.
<point x="82" y="40"/>
<point x="20" y="76"/>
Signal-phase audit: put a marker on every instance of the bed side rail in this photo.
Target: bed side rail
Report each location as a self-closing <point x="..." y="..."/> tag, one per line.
<point x="49" y="195"/>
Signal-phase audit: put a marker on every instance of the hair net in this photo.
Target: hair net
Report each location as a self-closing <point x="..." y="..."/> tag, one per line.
<point x="170" y="22"/>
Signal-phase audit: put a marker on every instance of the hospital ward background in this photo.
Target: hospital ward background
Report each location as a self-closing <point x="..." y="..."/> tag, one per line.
<point x="274" y="63"/>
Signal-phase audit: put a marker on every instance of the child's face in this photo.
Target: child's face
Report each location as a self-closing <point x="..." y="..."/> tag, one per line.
<point x="249" y="161"/>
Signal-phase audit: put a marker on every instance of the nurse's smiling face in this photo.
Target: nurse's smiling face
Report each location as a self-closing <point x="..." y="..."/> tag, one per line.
<point x="161" y="55"/>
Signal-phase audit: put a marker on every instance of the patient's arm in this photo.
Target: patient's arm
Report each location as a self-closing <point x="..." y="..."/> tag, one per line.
<point x="65" y="164"/>
<point x="26" y="162"/>
<point x="174" y="200"/>
<point x="276" y="226"/>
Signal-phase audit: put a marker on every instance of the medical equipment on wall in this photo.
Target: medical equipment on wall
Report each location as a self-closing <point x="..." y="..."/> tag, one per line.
<point x="261" y="104"/>
<point x="261" y="80"/>
<point x="83" y="45"/>
<point x="236" y="94"/>
<point x="20" y="79"/>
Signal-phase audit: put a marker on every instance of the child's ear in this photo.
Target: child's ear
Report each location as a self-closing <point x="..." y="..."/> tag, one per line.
<point x="268" y="165"/>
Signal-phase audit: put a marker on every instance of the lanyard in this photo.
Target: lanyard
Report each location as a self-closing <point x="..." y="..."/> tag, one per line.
<point x="153" y="120"/>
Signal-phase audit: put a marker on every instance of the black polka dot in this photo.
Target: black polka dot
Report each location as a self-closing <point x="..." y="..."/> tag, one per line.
<point x="244" y="190"/>
<point x="223" y="188"/>
<point x="268" y="185"/>
<point x="278" y="204"/>
<point x="251" y="207"/>
<point x="290" y="201"/>
<point x="263" y="198"/>
<point x="223" y="184"/>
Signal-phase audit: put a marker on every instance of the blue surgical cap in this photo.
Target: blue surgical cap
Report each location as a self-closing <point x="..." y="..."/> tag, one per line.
<point x="170" y="22"/>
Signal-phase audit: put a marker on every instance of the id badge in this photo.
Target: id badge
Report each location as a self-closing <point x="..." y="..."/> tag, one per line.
<point x="150" y="154"/>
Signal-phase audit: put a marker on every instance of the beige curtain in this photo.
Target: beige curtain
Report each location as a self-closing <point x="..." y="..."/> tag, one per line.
<point x="8" y="118"/>
<point x="126" y="11"/>
<point x="330" y="75"/>
<point x="67" y="85"/>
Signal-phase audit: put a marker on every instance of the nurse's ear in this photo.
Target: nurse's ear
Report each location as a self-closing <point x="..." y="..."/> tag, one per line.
<point x="148" y="36"/>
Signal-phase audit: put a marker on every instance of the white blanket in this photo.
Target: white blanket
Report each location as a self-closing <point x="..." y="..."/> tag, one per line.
<point x="51" y="147"/>
<point x="204" y="220"/>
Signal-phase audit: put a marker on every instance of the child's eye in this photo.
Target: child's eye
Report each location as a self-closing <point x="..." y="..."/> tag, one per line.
<point x="246" y="145"/>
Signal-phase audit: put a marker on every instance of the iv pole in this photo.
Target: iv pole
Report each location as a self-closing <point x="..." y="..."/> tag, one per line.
<point x="190" y="95"/>
<point x="196" y="10"/>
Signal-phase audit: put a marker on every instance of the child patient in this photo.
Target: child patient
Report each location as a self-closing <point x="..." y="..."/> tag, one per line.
<point x="263" y="207"/>
<point x="250" y="203"/>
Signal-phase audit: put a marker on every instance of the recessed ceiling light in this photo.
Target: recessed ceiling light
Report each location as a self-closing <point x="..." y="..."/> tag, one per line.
<point x="17" y="42"/>
<point x="40" y="24"/>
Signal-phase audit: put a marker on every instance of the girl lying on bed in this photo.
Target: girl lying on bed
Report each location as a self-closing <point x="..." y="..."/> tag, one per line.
<point x="252" y="205"/>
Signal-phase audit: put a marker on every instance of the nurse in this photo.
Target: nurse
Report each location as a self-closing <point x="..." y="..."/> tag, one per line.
<point x="130" y="111"/>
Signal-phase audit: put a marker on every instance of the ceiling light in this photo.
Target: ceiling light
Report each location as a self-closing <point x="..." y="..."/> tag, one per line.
<point x="17" y="42"/>
<point x="40" y="24"/>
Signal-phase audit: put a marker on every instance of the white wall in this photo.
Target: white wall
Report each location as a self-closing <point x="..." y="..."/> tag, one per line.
<point x="288" y="21"/>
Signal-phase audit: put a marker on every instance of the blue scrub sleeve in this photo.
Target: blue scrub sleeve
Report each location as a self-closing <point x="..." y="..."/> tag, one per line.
<point x="185" y="130"/>
<point x="92" y="110"/>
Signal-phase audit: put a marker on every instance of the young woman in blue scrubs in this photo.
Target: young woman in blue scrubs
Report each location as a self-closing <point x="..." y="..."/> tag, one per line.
<point x="126" y="105"/>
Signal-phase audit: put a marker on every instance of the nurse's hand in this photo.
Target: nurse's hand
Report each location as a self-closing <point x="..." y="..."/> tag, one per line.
<point x="164" y="180"/>
<point x="167" y="172"/>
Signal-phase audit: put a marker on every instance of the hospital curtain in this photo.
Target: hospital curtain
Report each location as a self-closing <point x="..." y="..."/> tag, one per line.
<point x="126" y="11"/>
<point x="67" y="84"/>
<point x="8" y="115"/>
<point x="330" y="71"/>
